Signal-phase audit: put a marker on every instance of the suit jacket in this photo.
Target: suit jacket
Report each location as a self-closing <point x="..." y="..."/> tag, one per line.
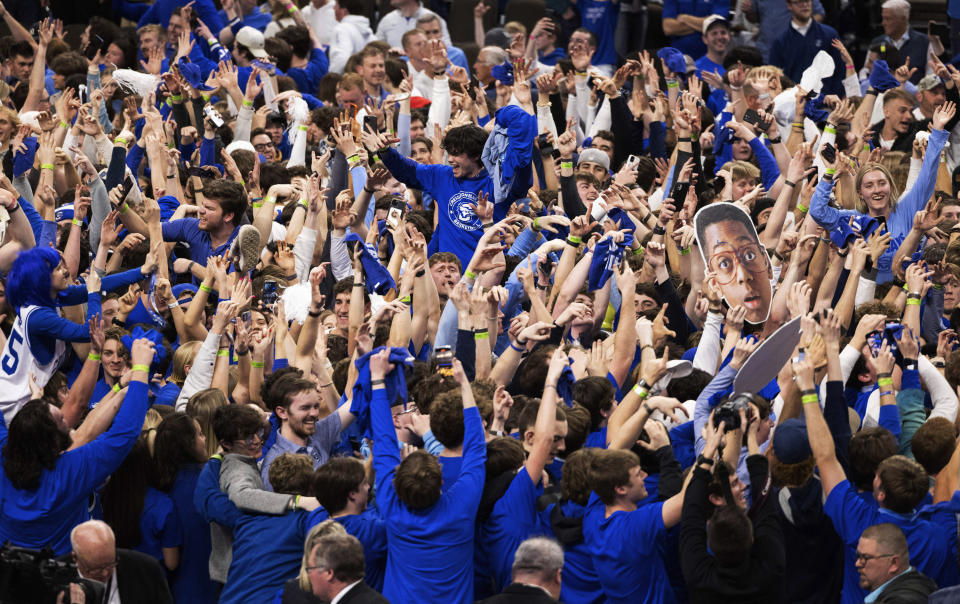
<point x="517" y="593"/>
<point x="915" y="47"/>
<point x="140" y="579"/>
<point x="361" y="593"/>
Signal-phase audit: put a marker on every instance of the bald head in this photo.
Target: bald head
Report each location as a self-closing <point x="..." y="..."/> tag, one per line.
<point x="94" y="548"/>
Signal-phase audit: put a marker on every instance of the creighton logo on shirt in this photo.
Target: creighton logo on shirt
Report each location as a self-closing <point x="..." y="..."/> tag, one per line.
<point x="460" y="211"/>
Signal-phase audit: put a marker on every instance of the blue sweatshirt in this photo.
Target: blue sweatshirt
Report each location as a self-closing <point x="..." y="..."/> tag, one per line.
<point x="45" y="517"/>
<point x="429" y="551"/>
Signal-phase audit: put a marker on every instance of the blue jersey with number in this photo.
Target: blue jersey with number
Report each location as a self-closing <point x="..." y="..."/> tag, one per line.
<point x="17" y="363"/>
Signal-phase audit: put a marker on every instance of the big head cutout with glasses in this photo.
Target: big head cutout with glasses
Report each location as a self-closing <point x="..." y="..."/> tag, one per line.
<point x="731" y="249"/>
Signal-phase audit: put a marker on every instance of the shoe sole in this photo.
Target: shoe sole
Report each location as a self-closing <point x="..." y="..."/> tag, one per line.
<point x="246" y="248"/>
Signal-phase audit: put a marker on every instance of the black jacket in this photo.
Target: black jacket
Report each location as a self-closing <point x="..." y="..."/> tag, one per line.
<point x="361" y="593"/>
<point x="517" y="593"/>
<point x="140" y="579"/>
<point x="759" y="577"/>
<point x="909" y="588"/>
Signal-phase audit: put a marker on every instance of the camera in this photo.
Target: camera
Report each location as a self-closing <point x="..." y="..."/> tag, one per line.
<point x="729" y="412"/>
<point x="38" y="577"/>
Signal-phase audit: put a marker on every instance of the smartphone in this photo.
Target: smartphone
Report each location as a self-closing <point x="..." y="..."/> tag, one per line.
<point x="941" y="30"/>
<point x="543" y="143"/>
<point x="444" y="356"/>
<point x="633" y="161"/>
<point x="590" y="83"/>
<point x="196" y="171"/>
<point x="213" y="115"/>
<point x="829" y="153"/>
<point x="82" y="93"/>
<point x="680" y="191"/>
<point x="398" y="206"/>
<point x="270" y="293"/>
<point x="546" y="267"/>
<point x="598" y="213"/>
<point x="751" y="117"/>
<point x="370" y="123"/>
<point x="266" y="67"/>
<point x="247" y="318"/>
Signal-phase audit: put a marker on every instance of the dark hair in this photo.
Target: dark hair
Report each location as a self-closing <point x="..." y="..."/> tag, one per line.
<point x="730" y="535"/>
<point x="609" y="469"/>
<point x="245" y="160"/>
<point x="354" y="7"/>
<point x="268" y="387"/>
<point x="335" y="480"/>
<point x="34" y="443"/>
<point x="281" y="51"/>
<point x="292" y="474"/>
<point x="593" y="40"/>
<point x="575" y="479"/>
<point x="343" y="554"/>
<point x="578" y="427"/>
<point x="446" y="418"/>
<point x="904" y="483"/>
<point x="20" y="49"/>
<point x="230" y="195"/>
<point x="528" y="417"/>
<point x="124" y="494"/>
<point x="69" y="63"/>
<point x="748" y="55"/>
<point x="298" y="37"/>
<point x="234" y="422"/>
<point x="285" y="389"/>
<point x="596" y="395"/>
<point x="467" y="140"/>
<point x="418" y="480"/>
<point x="868" y="448"/>
<point x="933" y="444"/>
<point x="174" y="449"/>
<point x="504" y="454"/>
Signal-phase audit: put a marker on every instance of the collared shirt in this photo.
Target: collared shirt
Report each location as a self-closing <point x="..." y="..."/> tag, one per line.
<point x="393" y="25"/>
<point x="899" y="42"/>
<point x="873" y="595"/>
<point x="343" y="592"/>
<point x="801" y="29"/>
<point x="318" y="447"/>
<point x="113" y="593"/>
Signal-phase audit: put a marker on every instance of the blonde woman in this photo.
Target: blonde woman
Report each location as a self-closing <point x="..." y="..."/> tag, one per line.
<point x="182" y="362"/>
<point x="878" y="197"/>
<point x="201" y="407"/>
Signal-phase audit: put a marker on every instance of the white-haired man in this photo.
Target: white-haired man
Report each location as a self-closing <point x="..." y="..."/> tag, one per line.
<point x="912" y="44"/>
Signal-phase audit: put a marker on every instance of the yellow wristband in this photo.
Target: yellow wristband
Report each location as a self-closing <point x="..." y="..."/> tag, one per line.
<point x="885" y="382"/>
<point x="47" y="166"/>
<point x="830" y="171"/>
<point x="206" y="288"/>
<point x="304" y="203"/>
<point x="256" y="364"/>
<point x="246" y="103"/>
<point x="123" y="208"/>
<point x="143" y="368"/>
<point x="573" y="239"/>
<point x="802" y="207"/>
<point x="809" y="398"/>
<point x="223" y="353"/>
<point x="641" y="392"/>
<point x="302" y="128"/>
<point x="64" y="125"/>
<point x="116" y="388"/>
<point x="93" y="356"/>
<point x="830" y="129"/>
<point x="566" y="165"/>
<point x="79" y="223"/>
<point x="913" y="301"/>
<point x="481" y="336"/>
<point x="469" y="274"/>
<point x="257" y="206"/>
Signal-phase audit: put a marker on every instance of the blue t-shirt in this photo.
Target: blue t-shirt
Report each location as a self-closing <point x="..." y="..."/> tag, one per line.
<point x="597" y="439"/>
<point x="451" y="469"/>
<point x="188" y="230"/>
<point x="600" y="17"/>
<point x="580" y="581"/>
<point x="705" y="63"/>
<point x="159" y="525"/>
<point x="513" y="519"/>
<point x="191" y="583"/>
<point x="371" y="531"/>
<point x="692" y="44"/>
<point x="626" y="553"/>
<point x="851" y="514"/>
<point x="550" y="59"/>
<point x="308" y="78"/>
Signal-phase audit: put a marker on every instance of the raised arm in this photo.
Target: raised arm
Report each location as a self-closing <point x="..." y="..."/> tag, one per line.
<point x="821" y="441"/>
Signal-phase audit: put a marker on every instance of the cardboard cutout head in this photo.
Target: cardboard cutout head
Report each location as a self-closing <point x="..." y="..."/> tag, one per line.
<point x="732" y="251"/>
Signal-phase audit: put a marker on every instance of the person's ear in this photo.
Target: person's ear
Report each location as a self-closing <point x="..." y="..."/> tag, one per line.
<point x="528" y="437"/>
<point x="716" y="500"/>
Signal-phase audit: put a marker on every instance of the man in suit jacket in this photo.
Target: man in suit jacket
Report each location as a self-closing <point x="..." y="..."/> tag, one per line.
<point x="883" y="562"/>
<point x="131" y="577"/>
<point x="536" y="574"/>
<point x="912" y="44"/>
<point x="336" y="572"/>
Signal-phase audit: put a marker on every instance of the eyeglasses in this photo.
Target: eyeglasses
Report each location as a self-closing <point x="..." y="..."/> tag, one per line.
<point x="751" y="257"/>
<point x="97" y="571"/>
<point x="256" y="439"/>
<point x="864" y="558"/>
<point x="263" y="146"/>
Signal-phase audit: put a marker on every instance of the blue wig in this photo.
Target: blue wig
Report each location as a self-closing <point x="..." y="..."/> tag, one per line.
<point x="28" y="282"/>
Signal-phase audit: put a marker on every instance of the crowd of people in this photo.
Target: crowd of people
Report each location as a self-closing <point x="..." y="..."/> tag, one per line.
<point x="331" y="302"/>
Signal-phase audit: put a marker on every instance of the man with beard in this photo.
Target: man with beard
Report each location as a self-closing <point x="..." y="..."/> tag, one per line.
<point x="296" y="402"/>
